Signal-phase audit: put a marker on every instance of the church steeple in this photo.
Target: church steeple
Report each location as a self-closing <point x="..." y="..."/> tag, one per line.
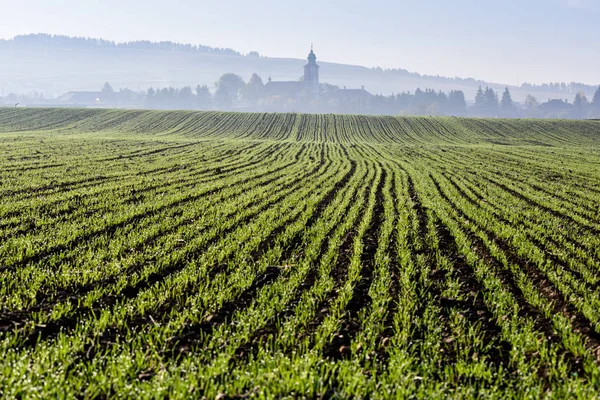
<point x="312" y="58"/>
<point x="311" y="71"/>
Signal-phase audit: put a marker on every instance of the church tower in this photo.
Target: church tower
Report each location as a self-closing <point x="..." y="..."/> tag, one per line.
<point x="311" y="73"/>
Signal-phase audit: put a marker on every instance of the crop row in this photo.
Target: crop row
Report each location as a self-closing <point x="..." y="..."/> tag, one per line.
<point x="151" y="254"/>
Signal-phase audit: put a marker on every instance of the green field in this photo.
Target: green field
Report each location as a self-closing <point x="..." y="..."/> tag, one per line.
<point x="186" y="254"/>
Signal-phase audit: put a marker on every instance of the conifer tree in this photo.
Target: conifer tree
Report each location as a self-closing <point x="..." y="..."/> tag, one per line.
<point x="507" y="106"/>
<point x="107" y="94"/>
<point x="595" y="105"/>
<point x="491" y="102"/>
<point x="596" y="99"/>
<point x="480" y="104"/>
<point x="480" y="98"/>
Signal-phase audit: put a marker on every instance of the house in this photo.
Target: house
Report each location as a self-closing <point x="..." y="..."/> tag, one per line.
<point x="80" y="98"/>
<point x="556" y="108"/>
<point x="124" y="98"/>
<point x="353" y="96"/>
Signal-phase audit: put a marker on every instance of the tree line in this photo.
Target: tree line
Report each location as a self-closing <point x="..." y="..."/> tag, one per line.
<point x="487" y="103"/>
<point x="231" y="92"/>
<point x="559" y="87"/>
<point x="43" y="39"/>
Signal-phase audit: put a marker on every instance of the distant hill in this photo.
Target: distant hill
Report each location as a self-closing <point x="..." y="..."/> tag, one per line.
<point x="58" y="64"/>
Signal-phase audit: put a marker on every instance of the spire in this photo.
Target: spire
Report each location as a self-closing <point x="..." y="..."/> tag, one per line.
<point x="311" y="56"/>
<point x="311" y="72"/>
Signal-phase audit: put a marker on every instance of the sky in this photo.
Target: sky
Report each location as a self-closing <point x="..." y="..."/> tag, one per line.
<point x="503" y="41"/>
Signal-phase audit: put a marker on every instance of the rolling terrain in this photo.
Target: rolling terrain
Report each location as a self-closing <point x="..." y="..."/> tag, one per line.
<point x="153" y="254"/>
<point x="55" y="65"/>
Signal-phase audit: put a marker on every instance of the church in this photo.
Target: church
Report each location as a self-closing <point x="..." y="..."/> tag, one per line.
<point x="307" y="87"/>
<point x="306" y="93"/>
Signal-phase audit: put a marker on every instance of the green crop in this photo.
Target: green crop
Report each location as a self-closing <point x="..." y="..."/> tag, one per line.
<point x="186" y="254"/>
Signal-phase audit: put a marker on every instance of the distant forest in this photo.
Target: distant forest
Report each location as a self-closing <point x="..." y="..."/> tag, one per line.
<point x="47" y="40"/>
<point x="233" y="93"/>
<point x="42" y="40"/>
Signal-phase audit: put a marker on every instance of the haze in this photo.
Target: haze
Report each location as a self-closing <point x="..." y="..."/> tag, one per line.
<point x="499" y="41"/>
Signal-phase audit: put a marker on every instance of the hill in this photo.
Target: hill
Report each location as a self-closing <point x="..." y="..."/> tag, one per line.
<point x="58" y="64"/>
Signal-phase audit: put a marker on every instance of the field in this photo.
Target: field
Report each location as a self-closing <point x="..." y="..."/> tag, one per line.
<point x="155" y="254"/>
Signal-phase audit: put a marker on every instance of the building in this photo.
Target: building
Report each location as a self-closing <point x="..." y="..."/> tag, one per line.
<point x="307" y="87"/>
<point x="80" y="98"/>
<point x="124" y="98"/>
<point x="311" y="74"/>
<point x="353" y="100"/>
<point x="557" y="108"/>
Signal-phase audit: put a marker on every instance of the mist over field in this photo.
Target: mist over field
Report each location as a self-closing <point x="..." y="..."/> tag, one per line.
<point x="49" y="70"/>
<point x="540" y="48"/>
<point x="56" y="65"/>
<point x="484" y="59"/>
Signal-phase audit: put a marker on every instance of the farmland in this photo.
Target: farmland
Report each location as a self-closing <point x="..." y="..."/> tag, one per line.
<point x="154" y="254"/>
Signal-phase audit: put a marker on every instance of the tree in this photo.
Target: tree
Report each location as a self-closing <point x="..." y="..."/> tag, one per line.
<point x="580" y="105"/>
<point x="507" y="106"/>
<point x="531" y="102"/>
<point x="479" y="108"/>
<point x="254" y="88"/>
<point x="107" y="89"/>
<point x="532" y="105"/>
<point x="404" y="100"/>
<point x="185" y="98"/>
<point x="595" y="113"/>
<point x="491" y="102"/>
<point x="480" y="98"/>
<point x="457" y="105"/>
<point x="442" y="102"/>
<point x="580" y="100"/>
<point x="596" y="99"/>
<point x="107" y="94"/>
<point x="423" y="99"/>
<point x="203" y="97"/>
<point x="228" y="90"/>
<point x="151" y="98"/>
<point x="164" y="98"/>
<point x="486" y="103"/>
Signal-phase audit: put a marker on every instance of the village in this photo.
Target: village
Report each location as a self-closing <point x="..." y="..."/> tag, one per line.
<point x="308" y="94"/>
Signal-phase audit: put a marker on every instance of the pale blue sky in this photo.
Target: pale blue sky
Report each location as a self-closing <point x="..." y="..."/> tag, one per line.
<point x="500" y="41"/>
